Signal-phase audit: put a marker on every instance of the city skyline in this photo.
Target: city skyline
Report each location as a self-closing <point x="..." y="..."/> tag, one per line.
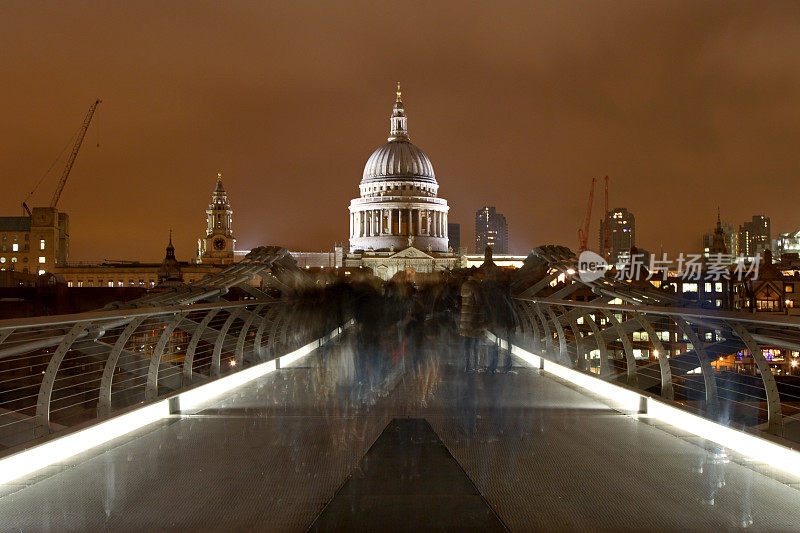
<point x="695" y="125"/>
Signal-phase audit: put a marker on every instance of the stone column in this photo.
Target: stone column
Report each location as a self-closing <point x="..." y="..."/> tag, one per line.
<point x="399" y="221"/>
<point x="419" y="221"/>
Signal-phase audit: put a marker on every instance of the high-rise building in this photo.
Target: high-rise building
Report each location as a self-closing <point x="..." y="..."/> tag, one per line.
<point x="755" y="236"/>
<point x="491" y="229"/>
<point x="454" y="235"/>
<point x="217" y="246"/>
<point x="620" y="224"/>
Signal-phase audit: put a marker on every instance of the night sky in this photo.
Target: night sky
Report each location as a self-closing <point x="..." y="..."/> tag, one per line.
<point x="687" y="106"/>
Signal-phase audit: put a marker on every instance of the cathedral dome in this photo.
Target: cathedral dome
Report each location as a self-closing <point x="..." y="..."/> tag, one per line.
<point x="398" y="159"/>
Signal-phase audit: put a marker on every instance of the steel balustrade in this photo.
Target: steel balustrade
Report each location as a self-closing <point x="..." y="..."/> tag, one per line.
<point x="643" y="309"/>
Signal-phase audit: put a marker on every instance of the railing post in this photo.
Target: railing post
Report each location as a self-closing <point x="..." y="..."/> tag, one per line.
<point x="774" y="410"/>
<point x="107" y="380"/>
<point x="709" y="378"/>
<point x="663" y="361"/>
<point x="188" y="359"/>
<point x="223" y="332"/>
<point x="563" y="356"/>
<point x="239" y="353"/>
<point x="42" y="421"/>
<point x="260" y="332"/>
<point x="549" y="349"/>
<point x="627" y="347"/>
<point x="151" y="390"/>
<point x="605" y="367"/>
<point x="580" y="359"/>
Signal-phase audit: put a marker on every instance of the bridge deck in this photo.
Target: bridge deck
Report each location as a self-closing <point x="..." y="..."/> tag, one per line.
<point x="274" y="453"/>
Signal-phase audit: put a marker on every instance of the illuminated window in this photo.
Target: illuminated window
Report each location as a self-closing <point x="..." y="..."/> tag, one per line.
<point x="41" y="244"/>
<point x="708" y="287"/>
<point x="15" y="247"/>
<point x="41" y="272"/>
<point x="110" y="283"/>
<point x="718" y="287"/>
<point x="42" y="259"/>
<point x="13" y="259"/>
<point x="690" y="287"/>
<point x="789" y="287"/>
<point x="2" y="259"/>
<point x="69" y="284"/>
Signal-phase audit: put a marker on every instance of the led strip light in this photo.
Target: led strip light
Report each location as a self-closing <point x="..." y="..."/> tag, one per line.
<point x="755" y="448"/>
<point x="53" y="451"/>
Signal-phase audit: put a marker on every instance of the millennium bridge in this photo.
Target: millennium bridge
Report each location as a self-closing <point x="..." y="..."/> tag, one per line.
<point x="262" y="398"/>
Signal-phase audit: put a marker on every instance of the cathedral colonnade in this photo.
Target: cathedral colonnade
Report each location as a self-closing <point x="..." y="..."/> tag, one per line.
<point x="405" y="221"/>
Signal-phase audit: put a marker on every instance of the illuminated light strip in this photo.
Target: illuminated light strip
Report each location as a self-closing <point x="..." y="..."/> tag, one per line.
<point x="51" y="452"/>
<point x="628" y="400"/>
<point x="751" y="446"/>
<point x="59" y="449"/>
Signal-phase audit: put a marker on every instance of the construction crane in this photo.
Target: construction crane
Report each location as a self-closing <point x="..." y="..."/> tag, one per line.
<point x="604" y="225"/>
<point x="583" y="233"/>
<point x="70" y="161"/>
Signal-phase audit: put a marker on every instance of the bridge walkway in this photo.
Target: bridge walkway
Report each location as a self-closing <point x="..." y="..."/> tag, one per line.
<point x="282" y="452"/>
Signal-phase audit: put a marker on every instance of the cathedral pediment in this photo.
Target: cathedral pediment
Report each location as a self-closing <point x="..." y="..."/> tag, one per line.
<point x="410" y="253"/>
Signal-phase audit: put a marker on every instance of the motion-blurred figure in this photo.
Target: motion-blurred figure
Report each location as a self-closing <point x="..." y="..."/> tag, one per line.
<point x="471" y="326"/>
<point x="500" y="311"/>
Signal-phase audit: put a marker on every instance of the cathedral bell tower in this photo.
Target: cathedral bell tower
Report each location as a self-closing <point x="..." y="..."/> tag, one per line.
<point x="218" y="244"/>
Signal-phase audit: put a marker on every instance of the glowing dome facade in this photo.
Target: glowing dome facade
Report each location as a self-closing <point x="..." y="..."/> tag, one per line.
<point x="398" y="205"/>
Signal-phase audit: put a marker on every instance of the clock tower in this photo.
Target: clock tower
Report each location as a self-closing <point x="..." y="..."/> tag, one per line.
<point x="216" y="247"/>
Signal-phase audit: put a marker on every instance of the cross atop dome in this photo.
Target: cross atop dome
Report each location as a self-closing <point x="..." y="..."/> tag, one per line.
<point x="398" y="127"/>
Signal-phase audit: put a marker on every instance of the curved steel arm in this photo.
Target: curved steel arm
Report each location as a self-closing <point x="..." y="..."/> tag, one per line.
<point x="563" y="356"/>
<point x="627" y="347"/>
<point x="549" y="348"/>
<point x="239" y="354"/>
<point x="663" y="361"/>
<point x="223" y="332"/>
<point x="605" y="366"/>
<point x="580" y="356"/>
<point x="774" y="412"/>
<point x="151" y="390"/>
<point x="106" y="381"/>
<point x="42" y="422"/>
<point x="709" y="378"/>
<point x="188" y="359"/>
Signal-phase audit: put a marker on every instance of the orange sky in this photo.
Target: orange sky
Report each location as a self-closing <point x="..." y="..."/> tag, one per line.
<point x="518" y="104"/>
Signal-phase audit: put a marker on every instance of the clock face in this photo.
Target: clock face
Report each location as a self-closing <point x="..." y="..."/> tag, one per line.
<point x="219" y="244"/>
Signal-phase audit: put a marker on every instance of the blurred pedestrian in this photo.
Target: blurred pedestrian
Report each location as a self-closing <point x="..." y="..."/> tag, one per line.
<point x="471" y="324"/>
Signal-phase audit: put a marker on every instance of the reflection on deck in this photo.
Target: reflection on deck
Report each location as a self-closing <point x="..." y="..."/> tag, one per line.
<point x="300" y="447"/>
